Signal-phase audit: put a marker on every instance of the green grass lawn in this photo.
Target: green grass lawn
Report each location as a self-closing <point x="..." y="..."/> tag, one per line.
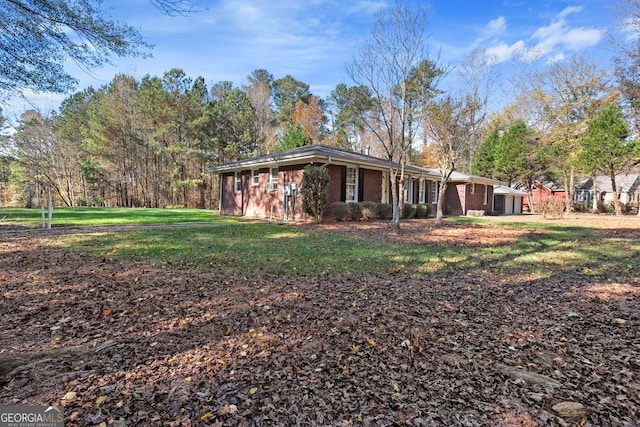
<point x="64" y="217"/>
<point x="270" y="249"/>
<point x="244" y="248"/>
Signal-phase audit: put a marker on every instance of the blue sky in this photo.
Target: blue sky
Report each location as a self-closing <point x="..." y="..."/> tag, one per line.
<point x="312" y="40"/>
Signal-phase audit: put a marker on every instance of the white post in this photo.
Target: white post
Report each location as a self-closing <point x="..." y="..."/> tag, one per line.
<point x="50" y="210"/>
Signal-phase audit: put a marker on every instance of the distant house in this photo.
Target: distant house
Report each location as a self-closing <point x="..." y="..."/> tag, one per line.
<point x="507" y="200"/>
<point x="268" y="186"/>
<point x="542" y="190"/>
<point x="628" y="185"/>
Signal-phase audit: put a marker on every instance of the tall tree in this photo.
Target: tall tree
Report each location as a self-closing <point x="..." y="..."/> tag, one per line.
<point x="52" y="163"/>
<point x="310" y="116"/>
<point x="479" y="76"/>
<point x="233" y="122"/>
<point x="605" y="149"/>
<point x="448" y="128"/>
<point x="259" y="91"/>
<point x="627" y="61"/>
<point x="286" y="92"/>
<point x="113" y="146"/>
<point x="384" y="63"/>
<point x="348" y="106"/>
<point x="295" y="137"/>
<point x="565" y="98"/>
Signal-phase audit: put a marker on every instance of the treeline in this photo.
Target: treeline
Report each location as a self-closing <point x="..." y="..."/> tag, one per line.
<point x="150" y="142"/>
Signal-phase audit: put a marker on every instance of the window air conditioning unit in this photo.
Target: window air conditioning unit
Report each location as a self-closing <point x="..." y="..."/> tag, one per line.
<point x="272" y="186"/>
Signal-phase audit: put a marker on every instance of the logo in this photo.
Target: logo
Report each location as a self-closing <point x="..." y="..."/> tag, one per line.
<point x="31" y="416"/>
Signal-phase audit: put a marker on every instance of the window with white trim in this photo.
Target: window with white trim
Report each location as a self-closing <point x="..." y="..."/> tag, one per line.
<point x="407" y="192"/>
<point x="274" y="178"/>
<point x="472" y="190"/>
<point x="485" y="194"/>
<point x="255" y="177"/>
<point x="237" y="181"/>
<point x="422" y="196"/>
<point x="435" y="187"/>
<point x="351" y="184"/>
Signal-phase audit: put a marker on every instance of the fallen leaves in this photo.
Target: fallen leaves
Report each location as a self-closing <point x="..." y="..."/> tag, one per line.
<point x="175" y="347"/>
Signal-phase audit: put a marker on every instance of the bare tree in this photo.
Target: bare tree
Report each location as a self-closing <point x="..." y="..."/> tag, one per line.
<point x="448" y="128"/>
<point x="479" y="75"/>
<point x="258" y="89"/>
<point x="384" y="62"/>
<point x="37" y="38"/>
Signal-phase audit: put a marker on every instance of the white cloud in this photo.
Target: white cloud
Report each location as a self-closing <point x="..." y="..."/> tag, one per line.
<point x="496" y="26"/>
<point x="502" y="51"/>
<point x="551" y="41"/>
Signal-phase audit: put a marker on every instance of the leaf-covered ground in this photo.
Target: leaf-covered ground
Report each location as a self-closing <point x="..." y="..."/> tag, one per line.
<point x="130" y="343"/>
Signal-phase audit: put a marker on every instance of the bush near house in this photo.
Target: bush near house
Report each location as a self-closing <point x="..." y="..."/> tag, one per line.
<point x="367" y="211"/>
<point x="408" y="211"/>
<point x="338" y="211"/>
<point x="423" y="211"/>
<point x="385" y="210"/>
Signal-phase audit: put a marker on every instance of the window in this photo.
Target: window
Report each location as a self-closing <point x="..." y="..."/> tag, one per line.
<point x="485" y="194"/>
<point x="237" y="181"/>
<point x="351" y="184"/>
<point x="472" y="190"/>
<point x="407" y="193"/>
<point x="422" y="196"/>
<point x="255" y="177"/>
<point x="273" y="180"/>
<point x="435" y="187"/>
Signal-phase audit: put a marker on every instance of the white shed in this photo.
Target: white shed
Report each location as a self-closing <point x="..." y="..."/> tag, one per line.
<point x="507" y="200"/>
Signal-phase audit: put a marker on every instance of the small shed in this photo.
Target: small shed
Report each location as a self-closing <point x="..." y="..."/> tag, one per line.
<point x="507" y="200"/>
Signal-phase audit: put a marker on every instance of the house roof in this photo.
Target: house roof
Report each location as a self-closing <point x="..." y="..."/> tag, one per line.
<point x="325" y="154"/>
<point x="549" y="185"/>
<point x="625" y="183"/>
<point x="465" y="177"/>
<point x="508" y="191"/>
<point x="315" y="153"/>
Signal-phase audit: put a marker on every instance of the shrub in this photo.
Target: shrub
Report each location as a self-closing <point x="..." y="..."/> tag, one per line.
<point x="355" y="212"/>
<point x="385" y="211"/>
<point x="552" y="207"/>
<point x="605" y="207"/>
<point x="315" y="190"/>
<point x="423" y="211"/>
<point x="582" y="207"/>
<point x="408" y="211"/>
<point x="369" y="210"/>
<point x="338" y="211"/>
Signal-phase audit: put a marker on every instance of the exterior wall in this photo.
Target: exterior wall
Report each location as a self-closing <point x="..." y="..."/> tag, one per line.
<point x="474" y="201"/>
<point x="255" y="200"/>
<point x="372" y="191"/>
<point x="454" y="199"/>
<point x="230" y="202"/>
<point x="459" y="200"/>
<point x="335" y="187"/>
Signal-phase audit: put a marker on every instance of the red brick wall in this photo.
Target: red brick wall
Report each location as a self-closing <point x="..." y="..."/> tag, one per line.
<point x="372" y="186"/>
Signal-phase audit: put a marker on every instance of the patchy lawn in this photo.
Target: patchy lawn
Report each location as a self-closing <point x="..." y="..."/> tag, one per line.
<point x="121" y="342"/>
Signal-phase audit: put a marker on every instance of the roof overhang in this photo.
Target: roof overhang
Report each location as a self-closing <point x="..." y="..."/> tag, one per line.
<point x="507" y="191"/>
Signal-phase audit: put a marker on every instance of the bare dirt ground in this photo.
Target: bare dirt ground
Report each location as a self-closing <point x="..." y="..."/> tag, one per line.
<point x="128" y="343"/>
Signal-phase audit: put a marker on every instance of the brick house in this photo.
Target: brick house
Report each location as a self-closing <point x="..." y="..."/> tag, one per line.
<point x="267" y="186"/>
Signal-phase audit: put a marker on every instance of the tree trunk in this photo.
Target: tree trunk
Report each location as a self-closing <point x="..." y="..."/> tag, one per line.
<point x="395" y="217"/>
<point x="594" y="196"/>
<point x="616" y="195"/>
<point x="441" y="199"/>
